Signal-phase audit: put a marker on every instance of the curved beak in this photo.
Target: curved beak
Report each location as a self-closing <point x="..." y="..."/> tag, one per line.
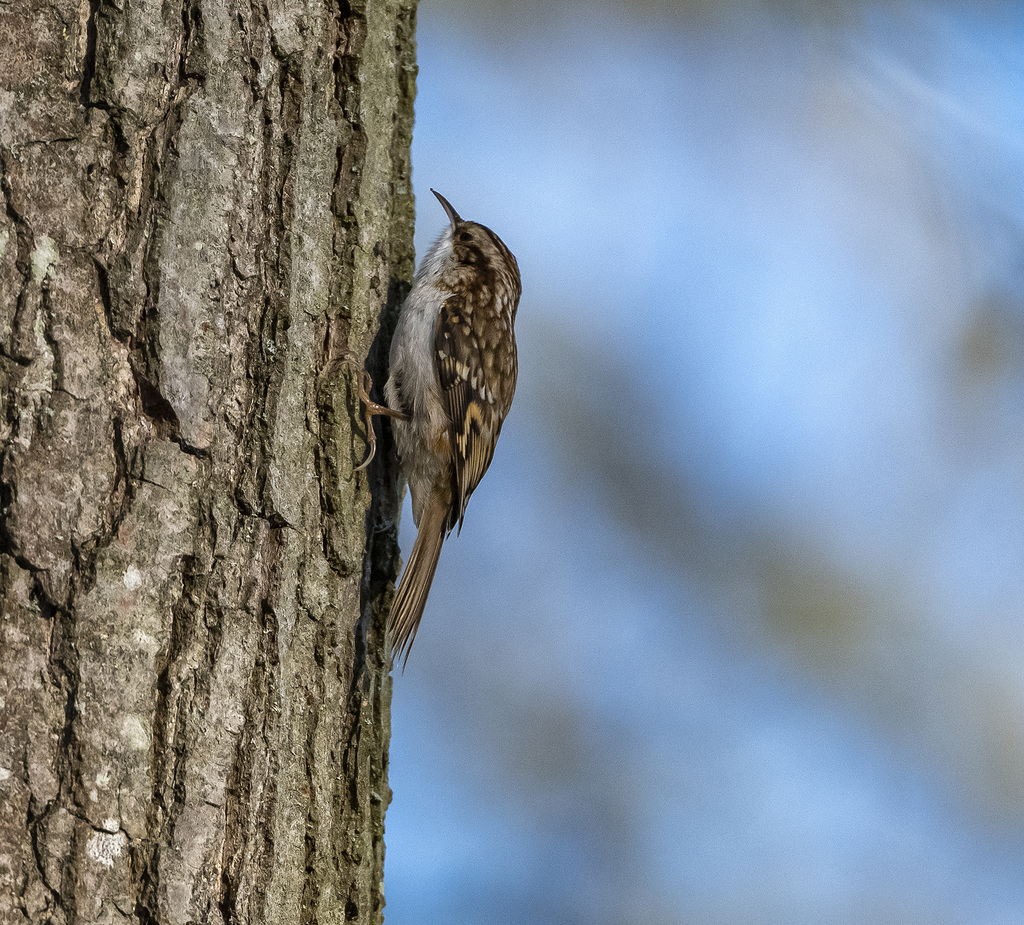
<point x="453" y="216"/>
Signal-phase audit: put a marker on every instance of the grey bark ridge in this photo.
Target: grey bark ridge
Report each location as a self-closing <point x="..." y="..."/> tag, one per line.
<point x="205" y="219"/>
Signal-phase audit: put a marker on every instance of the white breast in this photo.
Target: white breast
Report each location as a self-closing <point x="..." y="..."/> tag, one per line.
<point x="413" y="384"/>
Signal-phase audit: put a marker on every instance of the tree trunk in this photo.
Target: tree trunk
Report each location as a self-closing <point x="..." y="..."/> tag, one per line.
<point x="205" y="215"/>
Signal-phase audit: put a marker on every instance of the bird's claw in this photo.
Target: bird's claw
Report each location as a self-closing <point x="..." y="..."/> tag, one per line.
<point x="371" y="434"/>
<point x="373" y="408"/>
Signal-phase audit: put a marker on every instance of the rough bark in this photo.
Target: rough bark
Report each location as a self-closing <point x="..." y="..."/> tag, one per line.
<point x="205" y="215"/>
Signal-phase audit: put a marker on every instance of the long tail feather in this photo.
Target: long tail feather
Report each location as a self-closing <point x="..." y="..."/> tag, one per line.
<point x="414" y="587"/>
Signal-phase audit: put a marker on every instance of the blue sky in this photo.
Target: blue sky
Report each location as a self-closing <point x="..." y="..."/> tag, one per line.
<point x="733" y="628"/>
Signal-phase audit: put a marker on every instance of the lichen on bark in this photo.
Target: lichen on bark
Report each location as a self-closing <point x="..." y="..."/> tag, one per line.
<point x="205" y="230"/>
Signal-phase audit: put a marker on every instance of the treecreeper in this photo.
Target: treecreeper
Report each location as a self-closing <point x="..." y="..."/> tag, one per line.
<point x="452" y="376"/>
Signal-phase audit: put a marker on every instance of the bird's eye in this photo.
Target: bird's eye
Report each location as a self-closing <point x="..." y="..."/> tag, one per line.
<point x="465" y="236"/>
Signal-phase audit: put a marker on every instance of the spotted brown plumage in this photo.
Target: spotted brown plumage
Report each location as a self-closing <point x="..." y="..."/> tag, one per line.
<point x="476" y="364"/>
<point x="452" y="379"/>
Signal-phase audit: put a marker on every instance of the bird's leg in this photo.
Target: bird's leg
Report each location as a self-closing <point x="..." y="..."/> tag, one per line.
<point x="372" y="409"/>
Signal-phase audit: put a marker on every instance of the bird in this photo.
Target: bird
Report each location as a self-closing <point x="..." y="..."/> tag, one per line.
<point x="452" y="376"/>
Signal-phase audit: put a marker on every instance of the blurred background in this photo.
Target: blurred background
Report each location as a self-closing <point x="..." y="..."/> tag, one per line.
<point x="733" y="632"/>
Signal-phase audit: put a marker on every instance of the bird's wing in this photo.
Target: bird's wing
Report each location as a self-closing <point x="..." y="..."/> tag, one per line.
<point x="475" y="393"/>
